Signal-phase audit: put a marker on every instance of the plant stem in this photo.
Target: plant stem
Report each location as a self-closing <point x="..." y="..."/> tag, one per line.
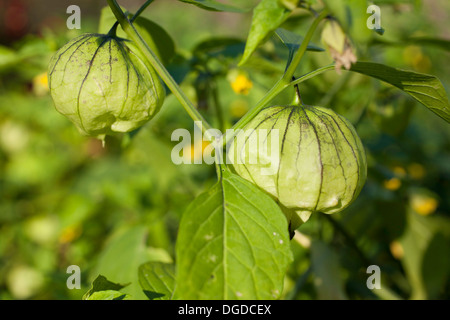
<point x="285" y="81"/>
<point x="279" y="86"/>
<point x="277" y="89"/>
<point x="298" y="98"/>
<point x="134" y="35"/>
<point x="301" y="51"/>
<point x="217" y="105"/>
<point x="141" y="9"/>
<point x="312" y="74"/>
<point x="308" y="7"/>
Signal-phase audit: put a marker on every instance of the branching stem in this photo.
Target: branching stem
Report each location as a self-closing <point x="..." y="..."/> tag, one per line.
<point x="134" y="35"/>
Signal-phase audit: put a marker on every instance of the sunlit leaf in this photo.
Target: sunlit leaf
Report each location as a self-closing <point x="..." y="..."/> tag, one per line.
<point x="425" y="259"/>
<point x="268" y="15"/>
<point x="106" y="287"/>
<point x="157" y="280"/>
<point x="426" y="89"/>
<point x="233" y="243"/>
<point x="109" y="295"/>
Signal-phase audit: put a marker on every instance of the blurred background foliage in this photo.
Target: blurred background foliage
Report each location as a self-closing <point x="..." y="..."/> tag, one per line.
<point x="65" y="200"/>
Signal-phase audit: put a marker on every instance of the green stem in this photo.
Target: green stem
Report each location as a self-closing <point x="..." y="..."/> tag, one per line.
<point x="217" y="106"/>
<point x="285" y="81"/>
<point x="141" y="9"/>
<point x="298" y="97"/>
<point x="312" y="74"/>
<point x="301" y="51"/>
<point x="277" y="89"/>
<point x="134" y="35"/>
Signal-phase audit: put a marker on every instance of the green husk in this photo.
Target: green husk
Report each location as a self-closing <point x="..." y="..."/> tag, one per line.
<point x="320" y="161"/>
<point x="103" y="85"/>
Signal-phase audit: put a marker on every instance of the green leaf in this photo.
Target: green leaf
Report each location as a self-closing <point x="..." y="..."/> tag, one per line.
<point x="101" y="284"/>
<point x="418" y="41"/>
<point x="155" y="36"/>
<point x="426" y="89"/>
<point x="233" y="243"/>
<point x="436" y="265"/>
<point x="220" y="47"/>
<point x="157" y="280"/>
<point x="214" y="5"/>
<point x="32" y="55"/>
<point x="328" y="280"/>
<point x="8" y="58"/>
<point x="125" y="252"/>
<point x="426" y="263"/>
<point x="109" y="295"/>
<point x="429" y="41"/>
<point x="268" y="15"/>
<point x="293" y="41"/>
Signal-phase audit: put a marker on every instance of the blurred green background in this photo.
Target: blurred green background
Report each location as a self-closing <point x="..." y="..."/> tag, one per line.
<point x="65" y="200"/>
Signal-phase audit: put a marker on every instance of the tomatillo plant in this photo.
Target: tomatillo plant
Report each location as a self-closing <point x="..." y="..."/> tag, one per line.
<point x="234" y="239"/>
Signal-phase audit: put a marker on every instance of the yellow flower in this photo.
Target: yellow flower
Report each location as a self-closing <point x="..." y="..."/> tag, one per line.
<point x="70" y="234"/>
<point x="423" y="204"/>
<point x="40" y="84"/>
<point x="241" y="84"/>
<point x="392" y="184"/>
<point x="196" y="151"/>
<point x="416" y="171"/>
<point x="396" y="249"/>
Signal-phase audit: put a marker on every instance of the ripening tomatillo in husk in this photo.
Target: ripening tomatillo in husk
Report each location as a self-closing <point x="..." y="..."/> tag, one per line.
<point x="103" y="85"/>
<point x="320" y="163"/>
